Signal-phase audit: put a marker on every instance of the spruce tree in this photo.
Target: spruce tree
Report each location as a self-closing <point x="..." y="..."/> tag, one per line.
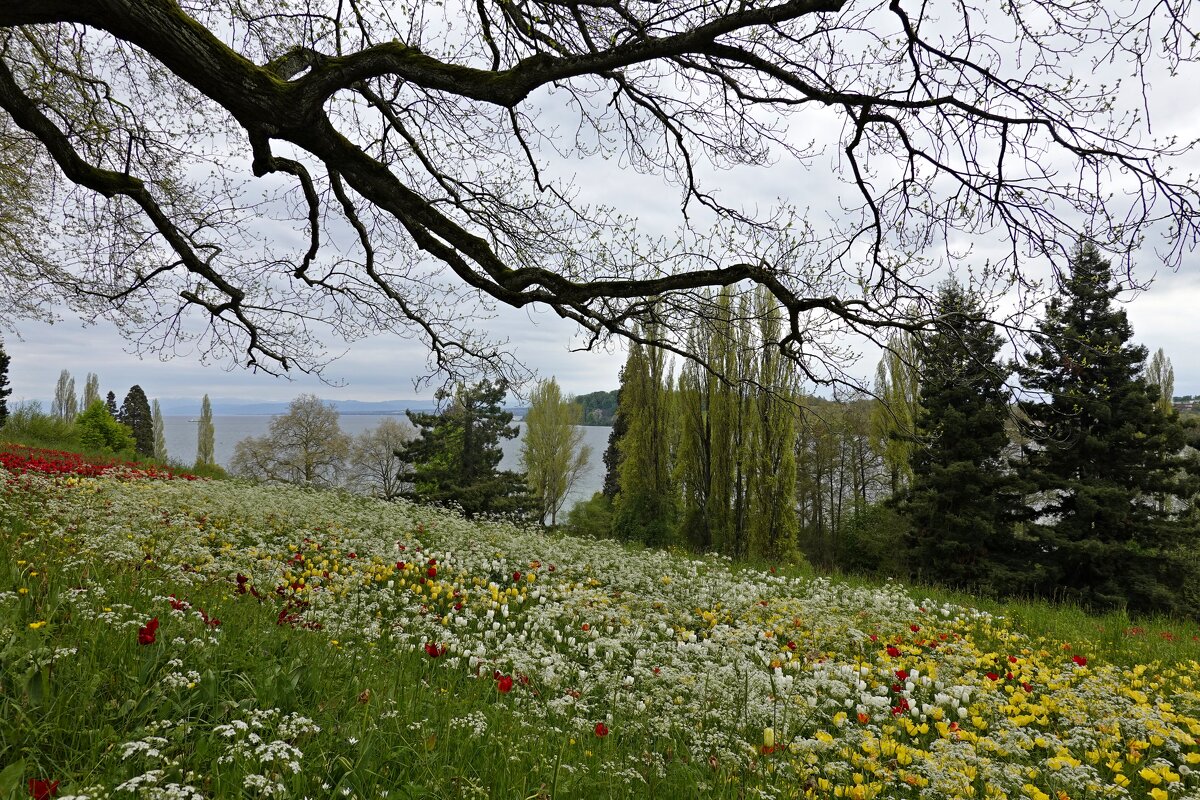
<point x="455" y="458"/>
<point x="135" y="413"/>
<point x="962" y="502"/>
<point x="1102" y="455"/>
<point x="5" y="391"/>
<point x="110" y="402"/>
<point x="205" y="435"/>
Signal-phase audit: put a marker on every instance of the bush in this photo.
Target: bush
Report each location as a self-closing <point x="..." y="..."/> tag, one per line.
<point x="26" y="424"/>
<point x="99" y="431"/>
<point x="873" y="542"/>
<point x="592" y="517"/>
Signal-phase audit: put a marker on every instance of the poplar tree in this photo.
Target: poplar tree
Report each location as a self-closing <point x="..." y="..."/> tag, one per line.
<point x="612" y="452"/>
<point x="772" y="485"/>
<point x="1161" y="374"/>
<point x="894" y="412"/>
<point x="205" y="435"/>
<point x="160" y="435"/>
<point x="645" y="508"/>
<point x="5" y="390"/>
<point x="91" y="389"/>
<point x="552" y="452"/>
<point x="962" y="500"/>
<point x="136" y="415"/>
<point x="65" y="405"/>
<point x="1103" y="455"/>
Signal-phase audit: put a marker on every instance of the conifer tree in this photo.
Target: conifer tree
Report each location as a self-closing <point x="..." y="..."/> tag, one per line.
<point x="612" y="453"/>
<point x="1102" y="455"/>
<point x="962" y="502"/>
<point x="5" y="390"/>
<point x="455" y="458"/>
<point x="645" y="508"/>
<point x="65" y="405"/>
<point x="135" y="414"/>
<point x="160" y="435"/>
<point x="205" y="435"/>
<point x="110" y="402"/>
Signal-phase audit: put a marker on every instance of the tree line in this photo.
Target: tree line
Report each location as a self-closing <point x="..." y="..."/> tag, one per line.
<point x="1080" y="485"/>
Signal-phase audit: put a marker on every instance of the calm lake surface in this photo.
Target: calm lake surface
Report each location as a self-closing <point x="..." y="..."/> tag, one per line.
<point x="181" y="443"/>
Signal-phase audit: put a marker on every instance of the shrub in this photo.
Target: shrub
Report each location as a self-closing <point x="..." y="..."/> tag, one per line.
<point x="27" y="424"/>
<point x="99" y="431"/>
<point x="592" y="517"/>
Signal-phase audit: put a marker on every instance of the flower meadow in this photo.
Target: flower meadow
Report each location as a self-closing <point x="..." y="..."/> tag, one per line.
<point x="194" y="639"/>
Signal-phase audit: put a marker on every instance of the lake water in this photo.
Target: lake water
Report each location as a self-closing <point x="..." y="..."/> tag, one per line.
<point x="181" y="437"/>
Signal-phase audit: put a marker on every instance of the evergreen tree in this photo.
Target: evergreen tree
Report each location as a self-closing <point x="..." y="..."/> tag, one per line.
<point x="455" y="458"/>
<point x="552" y="452"/>
<point x="205" y="435"/>
<point x="65" y="405"/>
<point x="160" y="436"/>
<point x="962" y="502"/>
<point x="5" y="391"/>
<point x="645" y="508"/>
<point x="110" y="402"/>
<point x="91" y="389"/>
<point x="135" y="414"/>
<point x="1102" y="455"/>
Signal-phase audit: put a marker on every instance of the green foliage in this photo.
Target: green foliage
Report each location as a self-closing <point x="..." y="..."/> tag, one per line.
<point x="599" y="408"/>
<point x="136" y="415"/>
<point x="873" y="542"/>
<point x="592" y="518"/>
<point x="963" y="502"/>
<point x="552" y="452"/>
<point x="159" y="432"/>
<point x="1109" y="519"/>
<point x="646" y="507"/>
<point x="893" y="416"/>
<point x="455" y="458"/>
<point x="27" y="424"/>
<point x="205" y="435"/>
<point x="612" y="453"/>
<point x="99" y="431"/>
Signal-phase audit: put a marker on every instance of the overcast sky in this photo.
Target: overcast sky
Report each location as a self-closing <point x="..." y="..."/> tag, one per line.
<point x="385" y="367"/>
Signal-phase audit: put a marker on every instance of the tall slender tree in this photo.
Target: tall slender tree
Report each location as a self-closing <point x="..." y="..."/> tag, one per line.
<point x="894" y="413"/>
<point x="962" y="502"/>
<point x="552" y="452"/>
<point x="110" y="403"/>
<point x="205" y="435"/>
<point x="1102" y="454"/>
<point x="5" y="389"/>
<point x="645" y="508"/>
<point x="135" y="414"/>
<point x="160" y="433"/>
<point x="91" y="389"/>
<point x="65" y="405"/>
<point x="1161" y="374"/>
<point x="612" y="453"/>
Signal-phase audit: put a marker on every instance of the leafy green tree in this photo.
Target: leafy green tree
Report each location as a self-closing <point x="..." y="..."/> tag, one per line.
<point x="1102" y="454"/>
<point x="99" y="430"/>
<point x="893" y="414"/>
<point x="552" y="452"/>
<point x="65" y="405"/>
<point x="645" y="508"/>
<point x="5" y="390"/>
<point x="598" y="407"/>
<point x="305" y="446"/>
<point x="136" y="415"/>
<point x="456" y="457"/>
<point x="772" y="450"/>
<point x="962" y="502"/>
<point x="1160" y="373"/>
<point x="205" y="435"/>
<point x="160" y="434"/>
<point x="91" y="389"/>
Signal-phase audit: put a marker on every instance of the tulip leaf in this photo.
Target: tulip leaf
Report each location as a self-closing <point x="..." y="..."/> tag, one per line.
<point x="10" y="777"/>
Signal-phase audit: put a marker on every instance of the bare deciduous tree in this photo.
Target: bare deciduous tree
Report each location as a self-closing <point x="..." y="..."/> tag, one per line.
<point x="375" y="468"/>
<point x="304" y="446"/>
<point x="421" y="153"/>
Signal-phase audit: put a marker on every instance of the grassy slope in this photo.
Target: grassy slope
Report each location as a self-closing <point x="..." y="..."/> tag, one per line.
<point x="710" y="679"/>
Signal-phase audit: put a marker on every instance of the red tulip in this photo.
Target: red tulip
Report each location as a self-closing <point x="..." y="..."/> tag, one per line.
<point x="42" y="790"/>
<point x="434" y="650"/>
<point x="1080" y="660"/>
<point x="146" y="633"/>
<point x="505" y="684"/>
<point x="601" y="729"/>
<point x="894" y="652"/>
